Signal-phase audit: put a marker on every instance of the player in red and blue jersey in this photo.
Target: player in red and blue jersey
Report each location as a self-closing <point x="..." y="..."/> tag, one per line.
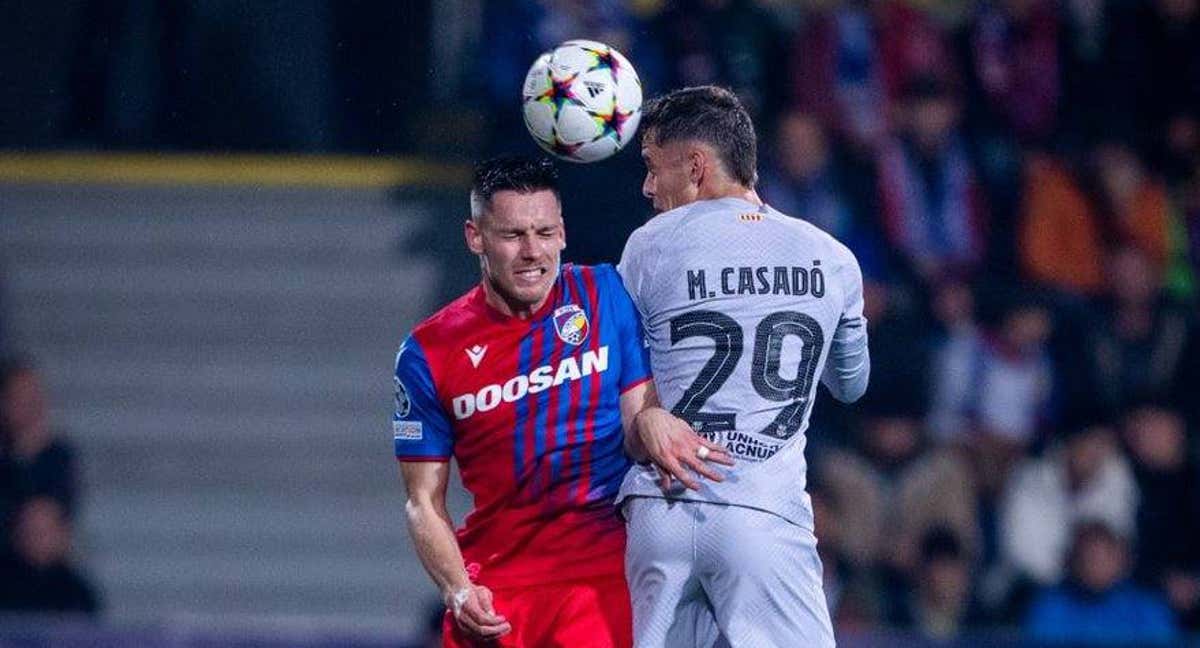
<point x="526" y="381"/>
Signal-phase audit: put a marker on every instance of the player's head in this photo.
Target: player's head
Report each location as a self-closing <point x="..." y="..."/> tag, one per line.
<point x="1099" y="556"/>
<point x="516" y="229"/>
<point x="22" y="401"/>
<point x="694" y="140"/>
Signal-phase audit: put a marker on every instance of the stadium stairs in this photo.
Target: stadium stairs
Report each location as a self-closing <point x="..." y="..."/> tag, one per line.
<point x="221" y="359"/>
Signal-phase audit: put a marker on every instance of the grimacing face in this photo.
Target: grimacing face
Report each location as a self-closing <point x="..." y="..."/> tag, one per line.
<point x="519" y="241"/>
<point x="669" y="174"/>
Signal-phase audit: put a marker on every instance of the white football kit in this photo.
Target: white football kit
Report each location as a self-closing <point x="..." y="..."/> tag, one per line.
<point x="744" y="310"/>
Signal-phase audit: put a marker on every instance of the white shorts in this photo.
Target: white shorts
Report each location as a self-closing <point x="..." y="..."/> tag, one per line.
<point x="709" y="575"/>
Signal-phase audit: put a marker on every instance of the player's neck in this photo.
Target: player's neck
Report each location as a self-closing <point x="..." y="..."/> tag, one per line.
<point x="728" y="189"/>
<point x="509" y="308"/>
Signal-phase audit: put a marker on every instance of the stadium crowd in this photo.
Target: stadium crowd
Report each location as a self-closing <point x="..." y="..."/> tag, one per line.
<point x="1020" y="181"/>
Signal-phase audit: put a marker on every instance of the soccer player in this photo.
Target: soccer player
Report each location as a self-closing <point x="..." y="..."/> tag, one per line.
<point x="526" y="381"/>
<point x="744" y="309"/>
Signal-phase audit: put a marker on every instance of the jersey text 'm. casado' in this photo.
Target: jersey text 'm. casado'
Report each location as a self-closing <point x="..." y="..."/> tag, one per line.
<point x="757" y="280"/>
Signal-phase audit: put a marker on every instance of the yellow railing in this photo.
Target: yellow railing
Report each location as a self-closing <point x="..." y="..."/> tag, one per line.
<point x="322" y="171"/>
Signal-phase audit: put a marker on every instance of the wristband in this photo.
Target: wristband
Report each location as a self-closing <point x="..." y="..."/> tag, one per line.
<point x="459" y="598"/>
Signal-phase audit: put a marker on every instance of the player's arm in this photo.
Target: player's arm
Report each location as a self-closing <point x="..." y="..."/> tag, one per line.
<point x="432" y="534"/>
<point x="651" y="432"/>
<point x="424" y="443"/>
<point x="848" y="369"/>
<point x="656" y="435"/>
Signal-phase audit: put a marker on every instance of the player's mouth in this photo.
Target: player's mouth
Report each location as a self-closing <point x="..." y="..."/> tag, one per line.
<point x="530" y="275"/>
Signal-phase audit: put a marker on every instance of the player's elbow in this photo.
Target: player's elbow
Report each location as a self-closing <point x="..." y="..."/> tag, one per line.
<point x="850" y="388"/>
<point x="852" y="393"/>
<point x="413" y="511"/>
<point x="420" y="510"/>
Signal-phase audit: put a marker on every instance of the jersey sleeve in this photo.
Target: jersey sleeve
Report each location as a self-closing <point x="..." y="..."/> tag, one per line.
<point x="632" y="267"/>
<point x="848" y="369"/>
<point x="635" y="354"/>
<point x="419" y="424"/>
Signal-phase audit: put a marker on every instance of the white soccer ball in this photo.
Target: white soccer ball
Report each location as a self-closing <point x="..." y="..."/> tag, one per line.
<point x="582" y="101"/>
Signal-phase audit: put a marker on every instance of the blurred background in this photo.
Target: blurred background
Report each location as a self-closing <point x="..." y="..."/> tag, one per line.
<point x="218" y="218"/>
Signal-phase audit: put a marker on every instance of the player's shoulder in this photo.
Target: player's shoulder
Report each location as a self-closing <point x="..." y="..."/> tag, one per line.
<point x="661" y="227"/>
<point x="600" y="276"/>
<point x="450" y="321"/>
<point x="814" y="236"/>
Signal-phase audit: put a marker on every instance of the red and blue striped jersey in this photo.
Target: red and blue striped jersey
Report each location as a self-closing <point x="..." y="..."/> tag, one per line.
<point x="529" y="409"/>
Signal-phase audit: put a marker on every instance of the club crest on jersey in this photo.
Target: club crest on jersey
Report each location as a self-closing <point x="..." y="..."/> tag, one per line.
<point x="571" y="323"/>
<point x="402" y="404"/>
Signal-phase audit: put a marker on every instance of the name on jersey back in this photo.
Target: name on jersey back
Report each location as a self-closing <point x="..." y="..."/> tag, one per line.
<point x="756" y="280"/>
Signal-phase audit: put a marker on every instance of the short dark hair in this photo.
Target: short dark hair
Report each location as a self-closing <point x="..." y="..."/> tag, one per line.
<point x="520" y="173"/>
<point x="708" y="114"/>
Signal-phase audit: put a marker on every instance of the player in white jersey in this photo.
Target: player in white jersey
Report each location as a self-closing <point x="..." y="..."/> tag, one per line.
<point x="745" y="309"/>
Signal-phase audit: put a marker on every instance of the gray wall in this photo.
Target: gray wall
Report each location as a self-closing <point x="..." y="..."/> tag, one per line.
<point x="221" y="359"/>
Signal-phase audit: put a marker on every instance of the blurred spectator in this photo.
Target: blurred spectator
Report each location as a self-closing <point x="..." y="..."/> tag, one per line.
<point x="1099" y="59"/>
<point x="1084" y="478"/>
<point x="1168" y="518"/>
<point x="1183" y="274"/>
<point x="896" y="329"/>
<point x="931" y="204"/>
<point x="850" y="591"/>
<point x="805" y="182"/>
<point x="898" y="492"/>
<point x="38" y="461"/>
<point x="838" y="71"/>
<point x="1097" y="604"/>
<point x="992" y="391"/>
<point x="734" y="43"/>
<point x="1140" y="344"/>
<point x="996" y="385"/>
<point x="1015" y="69"/>
<point x="953" y="310"/>
<point x="1169" y="75"/>
<point x="1058" y="236"/>
<point x="40" y="577"/>
<point x="1070" y="217"/>
<point x="1012" y="90"/>
<point x="936" y="602"/>
<point x="850" y="62"/>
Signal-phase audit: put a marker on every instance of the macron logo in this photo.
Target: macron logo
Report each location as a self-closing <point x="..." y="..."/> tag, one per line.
<point x="475" y="354"/>
<point x="538" y="380"/>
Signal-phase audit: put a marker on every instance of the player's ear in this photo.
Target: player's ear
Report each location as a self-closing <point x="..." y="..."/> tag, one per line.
<point x="473" y="235"/>
<point x="696" y="160"/>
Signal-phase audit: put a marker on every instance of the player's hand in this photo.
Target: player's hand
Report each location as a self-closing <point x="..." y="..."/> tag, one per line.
<point x="675" y="448"/>
<point x="474" y="613"/>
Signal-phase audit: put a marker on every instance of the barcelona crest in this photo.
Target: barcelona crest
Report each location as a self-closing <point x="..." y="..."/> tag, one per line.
<point x="571" y="323"/>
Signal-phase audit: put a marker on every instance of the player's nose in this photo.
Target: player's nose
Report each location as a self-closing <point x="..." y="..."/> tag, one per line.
<point x="648" y="187"/>
<point x="529" y="248"/>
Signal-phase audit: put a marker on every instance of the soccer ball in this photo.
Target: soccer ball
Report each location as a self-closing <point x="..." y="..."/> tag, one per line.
<point x="582" y="101"/>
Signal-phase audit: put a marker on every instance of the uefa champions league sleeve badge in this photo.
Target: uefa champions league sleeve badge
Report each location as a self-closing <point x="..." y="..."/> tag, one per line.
<point x="403" y="405"/>
<point x="571" y="324"/>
